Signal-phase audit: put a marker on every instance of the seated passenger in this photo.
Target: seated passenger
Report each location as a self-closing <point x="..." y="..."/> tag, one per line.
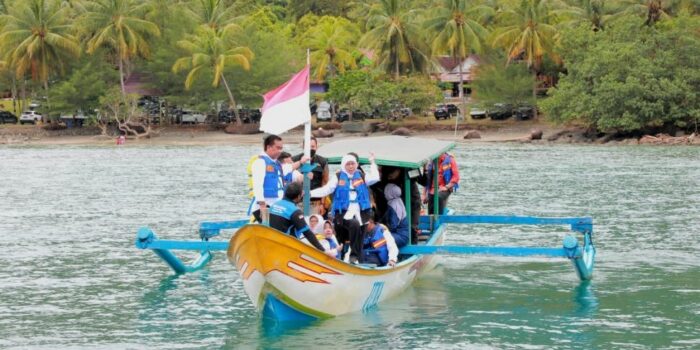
<point x="378" y="246"/>
<point x="287" y="218"/>
<point x="316" y="224"/>
<point x="395" y="217"/>
<point x="328" y="240"/>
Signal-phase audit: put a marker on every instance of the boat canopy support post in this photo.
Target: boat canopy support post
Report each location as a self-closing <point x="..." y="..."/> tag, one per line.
<point x="147" y="239"/>
<point x="581" y="256"/>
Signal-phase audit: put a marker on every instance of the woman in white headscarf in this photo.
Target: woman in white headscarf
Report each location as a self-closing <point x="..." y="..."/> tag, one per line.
<point x="395" y="217"/>
<point x="315" y="222"/>
<point x="351" y="201"/>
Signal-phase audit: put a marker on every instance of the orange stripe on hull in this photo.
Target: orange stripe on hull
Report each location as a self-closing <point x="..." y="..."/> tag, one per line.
<point x="263" y="249"/>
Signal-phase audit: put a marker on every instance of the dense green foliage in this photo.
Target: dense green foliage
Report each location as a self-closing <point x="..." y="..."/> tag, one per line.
<point x="512" y="85"/>
<point x="625" y="65"/>
<point x="629" y="78"/>
<point x="368" y="92"/>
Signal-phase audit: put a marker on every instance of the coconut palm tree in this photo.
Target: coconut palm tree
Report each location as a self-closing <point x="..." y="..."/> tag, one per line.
<point x="213" y="13"/>
<point x="119" y="26"/>
<point x="528" y="33"/>
<point x="213" y="50"/>
<point x="651" y="10"/>
<point x="330" y="42"/>
<point x="395" y="37"/>
<point x="161" y="11"/>
<point x="457" y="32"/>
<point x="36" y="39"/>
<point x="592" y="12"/>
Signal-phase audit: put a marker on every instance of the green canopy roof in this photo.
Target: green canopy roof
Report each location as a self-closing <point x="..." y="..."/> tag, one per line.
<point x="400" y="151"/>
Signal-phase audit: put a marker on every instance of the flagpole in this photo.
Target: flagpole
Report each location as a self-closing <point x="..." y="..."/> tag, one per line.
<point x="307" y="147"/>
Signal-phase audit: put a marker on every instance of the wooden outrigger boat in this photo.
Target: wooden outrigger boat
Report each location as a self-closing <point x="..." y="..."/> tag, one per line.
<point x="288" y="280"/>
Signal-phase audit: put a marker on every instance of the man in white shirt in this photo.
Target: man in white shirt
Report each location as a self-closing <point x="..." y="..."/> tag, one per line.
<point x="351" y="201"/>
<point x="267" y="174"/>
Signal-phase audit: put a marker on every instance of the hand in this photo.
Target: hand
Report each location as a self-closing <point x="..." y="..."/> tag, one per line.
<point x="304" y="159"/>
<point x="371" y="157"/>
<point x="392" y="263"/>
<point x="331" y="252"/>
<point x="264" y="216"/>
<point x="310" y="176"/>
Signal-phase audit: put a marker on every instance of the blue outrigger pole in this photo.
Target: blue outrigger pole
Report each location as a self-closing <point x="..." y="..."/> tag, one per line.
<point x="581" y="254"/>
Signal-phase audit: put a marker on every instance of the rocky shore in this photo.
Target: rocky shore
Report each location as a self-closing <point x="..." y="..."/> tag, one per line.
<point x="521" y="132"/>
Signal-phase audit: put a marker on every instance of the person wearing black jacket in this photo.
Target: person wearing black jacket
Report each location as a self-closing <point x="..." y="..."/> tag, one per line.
<point x="320" y="175"/>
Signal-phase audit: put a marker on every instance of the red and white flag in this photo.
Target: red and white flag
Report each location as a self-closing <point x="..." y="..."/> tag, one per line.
<point x="287" y="106"/>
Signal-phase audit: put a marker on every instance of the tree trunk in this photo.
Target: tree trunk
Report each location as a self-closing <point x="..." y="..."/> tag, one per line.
<point x="121" y="76"/>
<point x="48" y="100"/>
<point x="396" y="72"/>
<point x="232" y="104"/>
<point x="332" y="110"/>
<point x="534" y="98"/>
<point x="332" y="70"/>
<point x="14" y="95"/>
<point x="102" y="125"/>
<point x="23" y="96"/>
<point x="462" y="100"/>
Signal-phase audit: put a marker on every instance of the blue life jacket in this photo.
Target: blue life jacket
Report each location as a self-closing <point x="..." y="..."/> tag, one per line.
<point x="273" y="178"/>
<point x="445" y="170"/>
<point x="331" y="244"/>
<point x="374" y="245"/>
<point x="341" y="198"/>
<point x="285" y="208"/>
<point x="287" y="179"/>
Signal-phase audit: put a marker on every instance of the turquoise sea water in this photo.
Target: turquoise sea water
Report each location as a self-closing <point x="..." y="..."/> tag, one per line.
<point x="70" y="276"/>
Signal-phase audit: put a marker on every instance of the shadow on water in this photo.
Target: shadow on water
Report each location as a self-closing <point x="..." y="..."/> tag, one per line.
<point x="273" y="329"/>
<point x="585" y="299"/>
<point x="580" y="332"/>
<point x="155" y="298"/>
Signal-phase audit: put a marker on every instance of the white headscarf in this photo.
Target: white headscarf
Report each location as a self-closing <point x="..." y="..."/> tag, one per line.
<point x="393" y="198"/>
<point x="346" y="159"/>
<point x="318" y="229"/>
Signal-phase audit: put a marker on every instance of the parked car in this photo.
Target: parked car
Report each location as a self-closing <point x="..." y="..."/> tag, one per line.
<point x="501" y="111"/>
<point x="225" y="116"/>
<point x="323" y="112"/>
<point x="451" y="108"/>
<point x="250" y="116"/>
<point x="192" y="117"/>
<point x="7" y="118"/>
<point x="247" y="116"/>
<point x="524" y="112"/>
<point x="441" y="112"/>
<point x="31" y="117"/>
<point x="478" y="113"/>
<point x="344" y="115"/>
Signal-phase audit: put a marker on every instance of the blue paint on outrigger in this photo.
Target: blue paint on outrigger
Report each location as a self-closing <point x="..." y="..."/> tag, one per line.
<point x="147" y="239"/>
<point x="581" y="255"/>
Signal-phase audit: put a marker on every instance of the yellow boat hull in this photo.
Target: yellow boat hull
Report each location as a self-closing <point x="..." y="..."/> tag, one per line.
<point x="289" y="280"/>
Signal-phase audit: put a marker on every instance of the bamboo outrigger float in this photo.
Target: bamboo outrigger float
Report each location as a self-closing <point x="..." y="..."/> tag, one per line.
<point x="288" y="280"/>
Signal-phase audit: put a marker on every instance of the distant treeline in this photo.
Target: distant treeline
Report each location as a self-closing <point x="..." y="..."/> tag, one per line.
<point x="623" y="65"/>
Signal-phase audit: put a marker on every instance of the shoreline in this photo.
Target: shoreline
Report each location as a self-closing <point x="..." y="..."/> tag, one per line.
<point x="519" y="132"/>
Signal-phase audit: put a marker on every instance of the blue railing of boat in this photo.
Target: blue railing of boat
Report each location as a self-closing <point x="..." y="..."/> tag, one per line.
<point x="581" y="254"/>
